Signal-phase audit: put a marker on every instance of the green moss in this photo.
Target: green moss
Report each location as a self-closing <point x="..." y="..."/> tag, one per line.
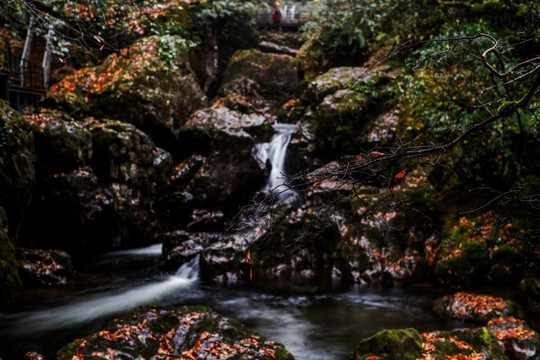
<point x="252" y="73"/>
<point x="67" y="352"/>
<point x="507" y="264"/>
<point x="469" y="267"/>
<point x="391" y="344"/>
<point x="483" y="341"/>
<point x="508" y="108"/>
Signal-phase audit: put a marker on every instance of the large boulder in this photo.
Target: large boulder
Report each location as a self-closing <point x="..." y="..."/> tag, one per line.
<point x="130" y="169"/>
<point x="64" y="213"/>
<point x="189" y="332"/>
<point x="98" y="184"/>
<point x="257" y="76"/>
<point x="231" y="172"/>
<point x="484" y="249"/>
<point x="150" y="85"/>
<point x="343" y="102"/>
<point x="124" y="154"/>
<point x="61" y="143"/>
<point x="382" y="240"/>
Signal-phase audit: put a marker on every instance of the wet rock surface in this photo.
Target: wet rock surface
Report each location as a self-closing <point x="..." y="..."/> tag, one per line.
<point x="473" y="307"/>
<point x="45" y="267"/>
<point x="380" y="242"/>
<point x="186" y="332"/>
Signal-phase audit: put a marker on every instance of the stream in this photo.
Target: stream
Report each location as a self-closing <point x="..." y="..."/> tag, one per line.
<point x="314" y="325"/>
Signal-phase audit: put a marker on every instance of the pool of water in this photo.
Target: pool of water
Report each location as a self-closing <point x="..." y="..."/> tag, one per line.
<point x="315" y="325"/>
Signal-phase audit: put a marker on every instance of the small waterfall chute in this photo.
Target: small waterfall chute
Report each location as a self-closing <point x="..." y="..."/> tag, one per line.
<point x="189" y="270"/>
<point x="275" y="153"/>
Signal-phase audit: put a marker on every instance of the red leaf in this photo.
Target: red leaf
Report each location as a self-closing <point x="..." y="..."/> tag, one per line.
<point x="401" y="174"/>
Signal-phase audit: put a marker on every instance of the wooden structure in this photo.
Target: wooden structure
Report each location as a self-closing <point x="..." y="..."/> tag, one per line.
<point x="24" y="79"/>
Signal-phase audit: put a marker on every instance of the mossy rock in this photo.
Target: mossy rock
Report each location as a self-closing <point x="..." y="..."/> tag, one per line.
<point x="469" y="267"/>
<point x="485" y="248"/>
<point x="466" y="343"/>
<point x="298" y="249"/>
<point x="230" y="174"/>
<point x="391" y="345"/>
<point x="251" y="73"/>
<point x="340" y="78"/>
<point x="473" y="307"/>
<point x="440" y="345"/>
<point x="125" y="154"/>
<point x="190" y="331"/>
<point x="62" y="143"/>
<point x="518" y="340"/>
<point x="342" y="102"/>
<point x="150" y="85"/>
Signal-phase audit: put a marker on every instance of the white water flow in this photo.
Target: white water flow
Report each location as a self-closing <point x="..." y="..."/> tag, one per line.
<point x="275" y="152"/>
<point x="110" y="303"/>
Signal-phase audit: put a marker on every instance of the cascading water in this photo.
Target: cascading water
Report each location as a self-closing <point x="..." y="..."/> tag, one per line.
<point x="300" y="321"/>
<point x="275" y="153"/>
<point x="106" y="304"/>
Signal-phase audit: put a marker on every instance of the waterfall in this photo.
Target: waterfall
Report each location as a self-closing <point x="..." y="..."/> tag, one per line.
<point x="189" y="270"/>
<point x="275" y="153"/>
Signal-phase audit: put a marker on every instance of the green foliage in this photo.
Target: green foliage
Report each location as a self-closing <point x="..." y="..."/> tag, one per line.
<point x="95" y="27"/>
<point x="451" y="90"/>
<point x="501" y="14"/>
<point x="168" y="50"/>
<point x="344" y="32"/>
<point x="226" y="19"/>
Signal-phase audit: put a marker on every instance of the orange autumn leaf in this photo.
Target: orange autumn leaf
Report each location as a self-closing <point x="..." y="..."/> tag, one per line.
<point x="400" y="174"/>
